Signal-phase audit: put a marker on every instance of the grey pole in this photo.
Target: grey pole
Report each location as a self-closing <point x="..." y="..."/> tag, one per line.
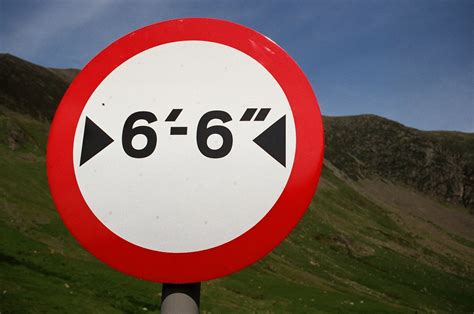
<point x="180" y="298"/>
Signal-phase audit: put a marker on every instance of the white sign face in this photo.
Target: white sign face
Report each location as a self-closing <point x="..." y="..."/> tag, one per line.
<point x="184" y="147"/>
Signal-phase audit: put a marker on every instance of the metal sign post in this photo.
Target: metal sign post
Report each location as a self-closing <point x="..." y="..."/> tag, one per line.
<point x="180" y="298"/>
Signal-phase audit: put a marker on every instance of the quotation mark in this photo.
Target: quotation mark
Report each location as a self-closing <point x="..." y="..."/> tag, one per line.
<point x="250" y="112"/>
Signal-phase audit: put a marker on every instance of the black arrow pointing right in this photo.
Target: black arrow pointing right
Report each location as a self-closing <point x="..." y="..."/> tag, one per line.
<point x="94" y="141"/>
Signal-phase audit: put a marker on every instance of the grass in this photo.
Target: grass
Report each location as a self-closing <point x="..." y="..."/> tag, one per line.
<point x="348" y="254"/>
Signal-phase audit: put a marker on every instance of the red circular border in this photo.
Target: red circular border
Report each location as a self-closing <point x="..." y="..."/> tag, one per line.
<point x="226" y="258"/>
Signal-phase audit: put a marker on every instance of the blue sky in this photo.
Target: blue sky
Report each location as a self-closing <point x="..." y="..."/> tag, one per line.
<point x="408" y="60"/>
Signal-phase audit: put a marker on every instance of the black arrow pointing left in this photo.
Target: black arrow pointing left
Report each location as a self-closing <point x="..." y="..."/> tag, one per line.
<point x="273" y="140"/>
<point x="94" y="141"/>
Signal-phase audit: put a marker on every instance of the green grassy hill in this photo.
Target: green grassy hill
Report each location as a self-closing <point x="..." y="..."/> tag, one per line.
<point x="368" y="244"/>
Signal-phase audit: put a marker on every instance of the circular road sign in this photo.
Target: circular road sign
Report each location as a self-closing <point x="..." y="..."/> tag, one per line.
<point x="186" y="150"/>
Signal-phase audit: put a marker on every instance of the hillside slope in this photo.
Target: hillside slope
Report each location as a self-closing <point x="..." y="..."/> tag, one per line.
<point x="366" y="244"/>
<point x="440" y="164"/>
<point x="31" y="89"/>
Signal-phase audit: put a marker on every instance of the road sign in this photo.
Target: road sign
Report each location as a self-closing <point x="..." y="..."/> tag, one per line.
<point x="185" y="150"/>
